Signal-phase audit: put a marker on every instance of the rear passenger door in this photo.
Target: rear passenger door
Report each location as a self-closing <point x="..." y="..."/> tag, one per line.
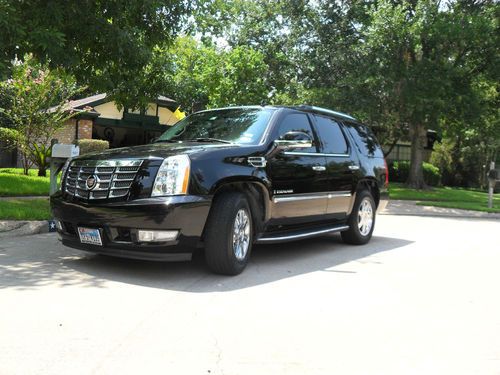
<point x="339" y="165"/>
<point x="298" y="176"/>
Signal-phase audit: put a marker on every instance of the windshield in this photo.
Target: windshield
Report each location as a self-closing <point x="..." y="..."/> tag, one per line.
<point x="238" y="125"/>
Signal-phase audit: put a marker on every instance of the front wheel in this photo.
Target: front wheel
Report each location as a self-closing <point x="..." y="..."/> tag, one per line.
<point x="361" y="221"/>
<point x="229" y="234"/>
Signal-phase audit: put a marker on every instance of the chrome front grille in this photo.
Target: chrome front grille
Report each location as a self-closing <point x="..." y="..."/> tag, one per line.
<point x="112" y="178"/>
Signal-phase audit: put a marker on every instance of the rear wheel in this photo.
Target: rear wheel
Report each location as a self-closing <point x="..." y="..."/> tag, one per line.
<point x="361" y="221"/>
<point x="229" y="234"/>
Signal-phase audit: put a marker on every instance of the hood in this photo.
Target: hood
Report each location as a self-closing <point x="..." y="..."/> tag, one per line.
<point x="154" y="150"/>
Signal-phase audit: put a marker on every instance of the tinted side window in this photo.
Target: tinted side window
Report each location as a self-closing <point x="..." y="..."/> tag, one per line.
<point x="365" y="141"/>
<point x="297" y="122"/>
<point x="331" y="137"/>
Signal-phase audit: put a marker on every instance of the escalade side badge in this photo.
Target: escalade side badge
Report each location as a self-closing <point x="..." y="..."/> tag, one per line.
<point x="257" y="161"/>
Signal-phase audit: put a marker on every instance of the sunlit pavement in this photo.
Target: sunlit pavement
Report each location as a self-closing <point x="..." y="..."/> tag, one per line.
<point x="422" y="298"/>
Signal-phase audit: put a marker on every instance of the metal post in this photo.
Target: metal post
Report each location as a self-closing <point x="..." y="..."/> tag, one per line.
<point x="491" y="186"/>
<point x="53" y="171"/>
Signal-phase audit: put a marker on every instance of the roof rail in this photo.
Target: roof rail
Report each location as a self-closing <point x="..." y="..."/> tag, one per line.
<point x="325" y="111"/>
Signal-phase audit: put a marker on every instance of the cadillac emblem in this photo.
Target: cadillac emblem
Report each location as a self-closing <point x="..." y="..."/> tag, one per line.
<point x="91" y="182"/>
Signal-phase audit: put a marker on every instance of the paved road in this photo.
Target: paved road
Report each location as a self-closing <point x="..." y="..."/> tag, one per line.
<point x="422" y="298"/>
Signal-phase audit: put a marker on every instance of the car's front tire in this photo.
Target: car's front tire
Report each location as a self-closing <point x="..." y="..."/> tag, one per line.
<point x="362" y="220"/>
<point x="229" y="234"/>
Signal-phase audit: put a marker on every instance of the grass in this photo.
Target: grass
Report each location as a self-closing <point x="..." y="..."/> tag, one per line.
<point x="25" y="209"/>
<point x="14" y="183"/>
<point x="448" y="197"/>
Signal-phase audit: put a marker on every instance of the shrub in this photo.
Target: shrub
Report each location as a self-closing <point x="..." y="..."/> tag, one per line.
<point x="92" y="145"/>
<point x="399" y="171"/>
<point x="432" y="175"/>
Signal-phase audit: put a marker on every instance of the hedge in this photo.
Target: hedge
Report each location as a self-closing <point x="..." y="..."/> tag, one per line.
<point x="92" y="145"/>
<point x="399" y="171"/>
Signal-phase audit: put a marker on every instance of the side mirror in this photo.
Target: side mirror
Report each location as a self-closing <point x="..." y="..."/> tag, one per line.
<point x="294" y="139"/>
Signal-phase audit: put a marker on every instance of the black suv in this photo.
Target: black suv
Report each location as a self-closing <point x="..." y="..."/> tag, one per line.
<point x="223" y="180"/>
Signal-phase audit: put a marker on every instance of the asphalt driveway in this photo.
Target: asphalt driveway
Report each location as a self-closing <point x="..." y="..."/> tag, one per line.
<point x="421" y="298"/>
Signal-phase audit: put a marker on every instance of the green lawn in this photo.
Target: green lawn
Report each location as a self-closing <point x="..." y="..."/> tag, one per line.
<point x="446" y="197"/>
<point x="25" y="209"/>
<point x="14" y="183"/>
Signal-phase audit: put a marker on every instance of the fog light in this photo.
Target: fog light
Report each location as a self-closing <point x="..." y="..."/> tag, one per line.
<point x="157" y="235"/>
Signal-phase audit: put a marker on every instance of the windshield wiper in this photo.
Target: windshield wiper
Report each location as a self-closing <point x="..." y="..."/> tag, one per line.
<point x="207" y="139"/>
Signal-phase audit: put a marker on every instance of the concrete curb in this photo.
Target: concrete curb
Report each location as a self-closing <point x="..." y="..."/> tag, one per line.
<point x="22" y="197"/>
<point x="13" y="228"/>
<point x="410" y="208"/>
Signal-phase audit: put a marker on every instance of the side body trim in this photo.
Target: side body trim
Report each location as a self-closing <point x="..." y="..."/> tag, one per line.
<point x="298" y="153"/>
<point x="301" y="197"/>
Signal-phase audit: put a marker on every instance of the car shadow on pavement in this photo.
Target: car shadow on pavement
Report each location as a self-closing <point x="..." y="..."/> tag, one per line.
<point x="63" y="267"/>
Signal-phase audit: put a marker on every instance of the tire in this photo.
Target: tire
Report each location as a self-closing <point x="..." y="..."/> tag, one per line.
<point x="358" y="232"/>
<point x="227" y="249"/>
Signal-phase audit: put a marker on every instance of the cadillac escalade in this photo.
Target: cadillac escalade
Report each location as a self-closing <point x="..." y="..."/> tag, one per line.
<point x="225" y="180"/>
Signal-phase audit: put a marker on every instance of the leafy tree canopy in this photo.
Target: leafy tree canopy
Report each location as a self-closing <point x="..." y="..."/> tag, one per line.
<point x="202" y="75"/>
<point x="105" y="44"/>
<point x="403" y="66"/>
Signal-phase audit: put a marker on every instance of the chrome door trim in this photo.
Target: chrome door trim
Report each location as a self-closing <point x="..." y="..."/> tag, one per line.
<point x="338" y="194"/>
<point x="298" y="153"/>
<point x="296" y="198"/>
<point x="302" y="197"/>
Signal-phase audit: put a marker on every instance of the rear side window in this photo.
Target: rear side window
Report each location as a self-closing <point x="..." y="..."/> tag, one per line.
<point x="297" y="122"/>
<point x="365" y="140"/>
<point x="331" y="137"/>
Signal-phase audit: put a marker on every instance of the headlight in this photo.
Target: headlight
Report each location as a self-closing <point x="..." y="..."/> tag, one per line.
<point x="63" y="172"/>
<point x="172" y="177"/>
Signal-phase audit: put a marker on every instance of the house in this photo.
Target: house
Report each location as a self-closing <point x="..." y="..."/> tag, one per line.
<point x="401" y="151"/>
<point x="99" y="117"/>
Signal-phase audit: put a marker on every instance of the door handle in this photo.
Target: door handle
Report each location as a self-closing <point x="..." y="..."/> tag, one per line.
<point x="354" y="167"/>
<point x="319" y="168"/>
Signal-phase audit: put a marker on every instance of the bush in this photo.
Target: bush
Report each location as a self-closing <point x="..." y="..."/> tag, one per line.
<point x="92" y="145"/>
<point x="399" y="171"/>
<point x="432" y="175"/>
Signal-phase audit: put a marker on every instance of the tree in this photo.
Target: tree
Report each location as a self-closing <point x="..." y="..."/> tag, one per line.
<point x="105" y="45"/>
<point x="427" y="57"/>
<point x="36" y="110"/>
<point x="203" y="75"/>
<point x="402" y="66"/>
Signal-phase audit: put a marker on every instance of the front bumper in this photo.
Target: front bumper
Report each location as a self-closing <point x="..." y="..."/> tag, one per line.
<point x="118" y="224"/>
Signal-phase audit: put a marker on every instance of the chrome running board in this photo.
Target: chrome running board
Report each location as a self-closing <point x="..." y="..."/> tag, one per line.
<point x="300" y="235"/>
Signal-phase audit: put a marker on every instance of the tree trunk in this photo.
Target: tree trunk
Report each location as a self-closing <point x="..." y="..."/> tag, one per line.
<point x="42" y="172"/>
<point x="391" y="147"/>
<point x="418" y="136"/>
<point x="26" y="163"/>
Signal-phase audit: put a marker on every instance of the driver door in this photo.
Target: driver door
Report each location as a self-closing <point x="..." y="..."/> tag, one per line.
<point x="298" y="177"/>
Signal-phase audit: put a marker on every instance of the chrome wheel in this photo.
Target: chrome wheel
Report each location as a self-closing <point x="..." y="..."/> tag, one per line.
<point x="365" y="217"/>
<point x="241" y="234"/>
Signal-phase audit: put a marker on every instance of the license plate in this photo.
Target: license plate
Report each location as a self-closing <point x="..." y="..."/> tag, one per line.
<point x="90" y="236"/>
